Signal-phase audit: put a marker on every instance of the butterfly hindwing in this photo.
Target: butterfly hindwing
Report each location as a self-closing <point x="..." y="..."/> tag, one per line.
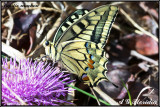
<point x="93" y="26"/>
<point x="83" y="58"/>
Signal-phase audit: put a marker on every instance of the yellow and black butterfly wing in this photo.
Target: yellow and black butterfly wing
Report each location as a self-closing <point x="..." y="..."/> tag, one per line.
<point x="80" y="46"/>
<point x="93" y="26"/>
<point x="68" y="22"/>
<point x="84" y="59"/>
<point x="51" y="47"/>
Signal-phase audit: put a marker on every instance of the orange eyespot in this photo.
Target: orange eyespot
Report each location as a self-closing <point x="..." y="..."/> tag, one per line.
<point x="91" y="61"/>
<point x="90" y="66"/>
<point x="85" y="77"/>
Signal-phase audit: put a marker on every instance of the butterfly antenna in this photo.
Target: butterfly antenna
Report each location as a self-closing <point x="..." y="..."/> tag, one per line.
<point x="95" y="96"/>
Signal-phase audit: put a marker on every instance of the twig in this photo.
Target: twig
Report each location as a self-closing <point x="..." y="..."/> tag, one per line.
<point x="136" y="54"/>
<point x="12" y="52"/>
<point x="137" y="26"/>
<point x="71" y="94"/>
<point x="105" y="96"/>
<point x="117" y="3"/>
<point x="118" y="27"/>
<point x="138" y="32"/>
<point x="32" y="8"/>
<point x="10" y="26"/>
<point x="49" y="36"/>
<point x="95" y="96"/>
<point x="55" y="5"/>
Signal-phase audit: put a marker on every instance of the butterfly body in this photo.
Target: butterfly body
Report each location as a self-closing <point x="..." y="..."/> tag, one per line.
<point x="80" y="46"/>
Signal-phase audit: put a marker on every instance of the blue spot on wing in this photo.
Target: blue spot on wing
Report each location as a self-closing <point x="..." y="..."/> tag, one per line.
<point x="86" y="45"/>
<point x="91" y="56"/>
<point x="86" y="68"/>
<point x="87" y="50"/>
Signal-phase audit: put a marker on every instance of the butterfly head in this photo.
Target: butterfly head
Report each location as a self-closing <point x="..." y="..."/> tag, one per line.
<point x="50" y="50"/>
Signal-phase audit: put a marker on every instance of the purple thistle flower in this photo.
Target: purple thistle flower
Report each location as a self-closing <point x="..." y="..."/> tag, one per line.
<point x="32" y="84"/>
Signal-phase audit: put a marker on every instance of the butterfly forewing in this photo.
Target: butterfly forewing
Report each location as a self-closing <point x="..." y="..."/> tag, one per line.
<point x="68" y="22"/>
<point x="93" y="26"/>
